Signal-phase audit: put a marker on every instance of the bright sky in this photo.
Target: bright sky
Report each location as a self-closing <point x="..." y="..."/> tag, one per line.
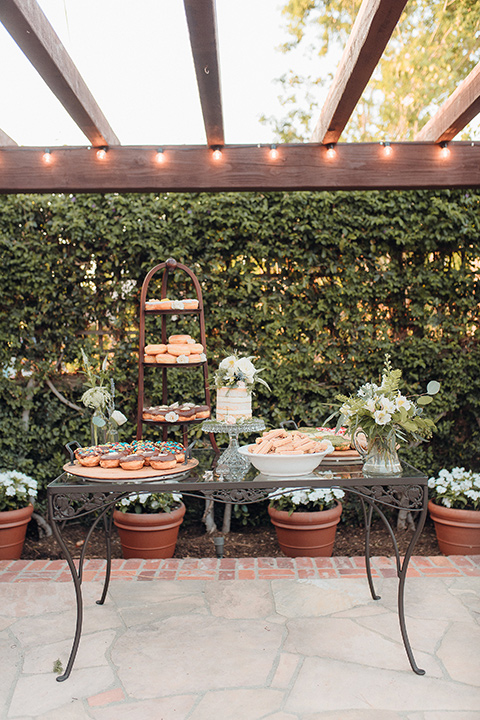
<point x="135" y="58"/>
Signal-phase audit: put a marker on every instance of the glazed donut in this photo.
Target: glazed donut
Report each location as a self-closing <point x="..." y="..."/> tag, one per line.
<point x="182" y="339"/>
<point x="150" y="358"/>
<point x="164" y="304"/>
<point x="132" y="462"/>
<point x="170" y="446"/>
<point x="196" y="358"/>
<point x="179" y="349"/>
<point x="155" y="349"/>
<point x="196" y="348"/>
<point x="88" y="457"/>
<point x="110" y="460"/>
<point x="166" y="358"/>
<point x="186" y="413"/>
<point x="190" y="304"/>
<point x="163" y="461"/>
<point x="153" y="304"/>
<point x="202" y="411"/>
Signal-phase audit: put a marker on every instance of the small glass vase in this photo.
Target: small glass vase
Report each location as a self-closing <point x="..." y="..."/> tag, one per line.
<point x="102" y="430"/>
<point x="380" y="457"/>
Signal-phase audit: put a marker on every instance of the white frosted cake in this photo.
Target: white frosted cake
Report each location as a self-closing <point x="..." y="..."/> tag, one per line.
<point x="233" y="404"/>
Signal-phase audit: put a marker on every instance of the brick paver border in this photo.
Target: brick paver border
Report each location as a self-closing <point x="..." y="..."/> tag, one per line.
<point x="239" y="568"/>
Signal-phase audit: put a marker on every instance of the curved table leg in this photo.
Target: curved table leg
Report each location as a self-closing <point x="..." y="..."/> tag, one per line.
<point x="368" y="524"/>
<point x="107" y="526"/>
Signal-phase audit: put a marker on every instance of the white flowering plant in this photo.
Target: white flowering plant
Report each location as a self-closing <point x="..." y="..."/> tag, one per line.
<point x="238" y="372"/>
<point x="457" y="488"/>
<point x="384" y="412"/>
<point x="17" y="490"/>
<point x="149" y="503"/>
<point x="100" y="397"/>
<point x="305" y="500"/>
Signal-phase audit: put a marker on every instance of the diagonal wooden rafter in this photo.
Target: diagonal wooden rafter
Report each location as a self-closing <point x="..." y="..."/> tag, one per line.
<point x="456" y="112"/>
<point x="6" y="140"/>
<point x="202" y="27"/>
<point x="370" y="34"/>
<point x="31" y="30"/>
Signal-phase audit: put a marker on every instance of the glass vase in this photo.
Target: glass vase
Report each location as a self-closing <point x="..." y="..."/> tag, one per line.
<point x="380" y="457"/>
<point x="102" y="430"/>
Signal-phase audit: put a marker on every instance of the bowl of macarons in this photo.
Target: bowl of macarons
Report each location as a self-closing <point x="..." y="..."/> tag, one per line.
<point x="286" y="453"/>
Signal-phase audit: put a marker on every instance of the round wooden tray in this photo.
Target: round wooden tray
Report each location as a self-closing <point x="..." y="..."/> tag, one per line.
<point x="100" y="474"/>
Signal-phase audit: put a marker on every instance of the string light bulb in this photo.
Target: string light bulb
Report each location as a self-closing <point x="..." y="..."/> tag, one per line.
<point x="274" y="154"/>
<point x="47" y="156"/>
<point x="102" y="153"/>
<point x="217" y="154"/>
<point x="331" y="152"/>
<point x="445" y="150"/>
<point x="160" y="157"/>
<point x="387" y="148"/>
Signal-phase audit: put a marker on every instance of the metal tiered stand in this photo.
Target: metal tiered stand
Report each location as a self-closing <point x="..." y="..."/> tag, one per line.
<point x="237" y="465"/>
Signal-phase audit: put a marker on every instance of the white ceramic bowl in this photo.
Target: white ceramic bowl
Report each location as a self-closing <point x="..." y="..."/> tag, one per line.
<point x="285" y="465"/>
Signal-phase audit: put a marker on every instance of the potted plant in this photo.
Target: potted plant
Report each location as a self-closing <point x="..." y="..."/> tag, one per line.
<point x="385" y="418"/>
<point x="17" y="493"/>
<point x="148" y="524"/>
<point x="306" y="520"/>
<point x="454" y="507"/>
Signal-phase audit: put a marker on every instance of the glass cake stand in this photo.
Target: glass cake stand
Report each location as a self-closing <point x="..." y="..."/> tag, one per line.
<point x="237" y="464"/>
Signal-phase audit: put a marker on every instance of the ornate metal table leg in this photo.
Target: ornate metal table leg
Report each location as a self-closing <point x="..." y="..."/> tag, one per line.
<point x="368" y="524"/>
<point x="107" y="526"/>
<point x="76" y="577"/>
<point x="402" y="574"/>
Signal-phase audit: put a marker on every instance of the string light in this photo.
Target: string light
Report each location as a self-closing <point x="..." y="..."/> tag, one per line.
<point x="274" y="154"/>
<point x="47" y="157"/>
<point x="387" y="148"/>
<point x="445" y="150"/>
<point x="160" y="157"/>
<point x="331" y="152"/>
<point x="102" y="153"/>
<point x="217" y="154"/>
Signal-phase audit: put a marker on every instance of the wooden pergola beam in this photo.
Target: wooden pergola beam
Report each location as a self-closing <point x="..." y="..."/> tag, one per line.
<point x="6" y="140"/>
<point x="202" y="27"/>
<point x="362" y="166"/>
<point x="456" y="112"/>
<point x="370" y="34"/>
<point x="31" y="30"/>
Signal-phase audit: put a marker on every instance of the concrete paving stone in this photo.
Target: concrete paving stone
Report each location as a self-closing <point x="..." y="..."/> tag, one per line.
<point x="73" y="710"/>
<point x="33" y="599"/>
<point x="91" y="653"/>
<point x="460" y="653"/>
<point x="240" y="704"/>
<point x="281" y="716"/>
<point x="374" y="609"/>
<point x="370" y="714"/>
<point x="125" y="593"/>
<point x="425" y="598"/>
<point x="287" y="666"/>
<point x="191" y="604"/>
<point x="343" y="639"/>
<point x="41" y="694"/>
<point x="239" y="599"/>
<point x="5" y="622"/>
<point x="188" y="654"/>
<point x="326" y="685"/>
<point x="311" y="598"/>
<point x="454" y="715"/>
<point x="10" y="664"/>
<point x="424" y="634"/>
<point x="167" y="708"/>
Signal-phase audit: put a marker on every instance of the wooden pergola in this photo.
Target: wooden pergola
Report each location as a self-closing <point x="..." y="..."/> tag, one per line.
<point x="433" y="160"/>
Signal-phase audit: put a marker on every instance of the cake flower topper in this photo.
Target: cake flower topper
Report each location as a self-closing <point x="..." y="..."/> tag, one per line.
<point x="238" y="372"/>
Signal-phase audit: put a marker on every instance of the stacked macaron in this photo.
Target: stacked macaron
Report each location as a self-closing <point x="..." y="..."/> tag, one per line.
<point x="181" y="349"/>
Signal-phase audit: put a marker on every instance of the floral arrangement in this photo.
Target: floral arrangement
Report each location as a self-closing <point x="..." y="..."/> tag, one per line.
<point x="383" y="412"/>
<point x="305" y="500"/>
<point x="17" y="490"/>
<point x="100" y="397"/>
<point x="149" y="503"/>
<point x="457" y="488"/>
<point x="238" y="372"/>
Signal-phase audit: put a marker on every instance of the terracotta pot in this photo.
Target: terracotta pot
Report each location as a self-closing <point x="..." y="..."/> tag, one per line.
<point x="13" y="526"/>
<point x="458" y="531"/>
<point x="306" y="534"/>
<point x="148" y="535"/>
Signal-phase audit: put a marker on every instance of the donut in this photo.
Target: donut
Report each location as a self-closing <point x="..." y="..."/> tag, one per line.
<point x="179" y="349"/>
<point x="196" y="358"/>
<point x="170" y="446"/>
<point x="153" y="304"/>
<point x="155" y="349"/>
<point x="166" y="358"/>
<point x="202" y="411"/>
<point x="150" y="358"/>
<point x="196" y="348"/>
<point x="88" y="457"/>
<point x="190" y="304"/>
<point x="163" y="461"/>
<point x="132" y="462"/>
<point x="164" y="304"/>
<point x="186" y="413"/>
<point x="179" y="339"/>
<point x="110" y="460"/>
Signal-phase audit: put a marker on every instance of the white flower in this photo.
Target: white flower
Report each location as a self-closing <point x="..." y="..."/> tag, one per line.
<point x="381" y="417"/>
<point x="182" y="359"/>
<point x="171" y="417"/>
<point x="346" y="410"/>
<point x="247" y="368"/>
<point x="96" y="397"/>
<point x="228" y="363"/>
<point x="370" y="405"/>
<point x="177" y="305"/>
<point x="402" y="402"/>
<point x="387" y="405"/>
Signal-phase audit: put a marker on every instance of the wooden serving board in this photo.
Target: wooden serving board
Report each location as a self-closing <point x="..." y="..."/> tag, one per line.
<point x="118" y="474"/>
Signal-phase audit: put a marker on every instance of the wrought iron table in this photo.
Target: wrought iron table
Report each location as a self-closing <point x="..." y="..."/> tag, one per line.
<point x="73" y="496"/>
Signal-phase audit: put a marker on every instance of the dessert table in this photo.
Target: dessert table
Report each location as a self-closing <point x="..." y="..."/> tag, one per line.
<point x="72" y="495"/>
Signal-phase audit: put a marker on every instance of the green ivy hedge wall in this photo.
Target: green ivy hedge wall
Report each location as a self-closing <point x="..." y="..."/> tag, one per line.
<point x="318" y="285"/>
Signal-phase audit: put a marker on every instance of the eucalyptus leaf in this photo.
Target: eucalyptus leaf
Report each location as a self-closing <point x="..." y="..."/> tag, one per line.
<point x="433" y="387"/>
<point x="424" y="400"/>
<point x="98" y="421"/>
